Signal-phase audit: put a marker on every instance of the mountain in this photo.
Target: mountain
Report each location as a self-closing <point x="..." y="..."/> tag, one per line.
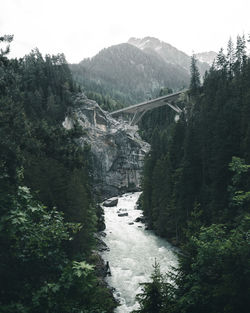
<point x="128" y="74"/>
<point x="135" y="71"/>
<point x="207" y="57"/>
<point x="168" y="53"/>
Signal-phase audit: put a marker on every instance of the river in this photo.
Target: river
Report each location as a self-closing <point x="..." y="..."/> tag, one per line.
<point x="132" y="251"/>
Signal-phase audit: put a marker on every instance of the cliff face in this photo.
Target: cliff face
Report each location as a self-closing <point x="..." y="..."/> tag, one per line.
<point x="117" y="149"/>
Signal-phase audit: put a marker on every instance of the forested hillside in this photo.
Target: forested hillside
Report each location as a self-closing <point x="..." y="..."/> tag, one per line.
<point x="128" y="74"/>
<point x="47" y="213"/>
<point x="196" y="190"/>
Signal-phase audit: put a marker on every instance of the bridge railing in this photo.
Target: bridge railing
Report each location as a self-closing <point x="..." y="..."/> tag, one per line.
<point x="150" y="104"/>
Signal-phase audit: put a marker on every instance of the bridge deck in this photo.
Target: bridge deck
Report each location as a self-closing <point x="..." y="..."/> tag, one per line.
<point x="150" y="104"/>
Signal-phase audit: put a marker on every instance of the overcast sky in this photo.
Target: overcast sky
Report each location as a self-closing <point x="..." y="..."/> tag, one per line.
<point x="81" y="28"/>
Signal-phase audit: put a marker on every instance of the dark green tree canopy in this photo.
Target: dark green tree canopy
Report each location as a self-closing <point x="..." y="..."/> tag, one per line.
<point x="196" y="189"/>
<point x="47" y="212"/>
<point x="195" y="81"/>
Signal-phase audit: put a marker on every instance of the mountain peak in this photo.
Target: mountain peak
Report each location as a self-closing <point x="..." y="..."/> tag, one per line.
<point x="134" y="40"/>
<point x="146" y="43"/>
<point x="207" y="57"/>
<point x="167" y="52"/>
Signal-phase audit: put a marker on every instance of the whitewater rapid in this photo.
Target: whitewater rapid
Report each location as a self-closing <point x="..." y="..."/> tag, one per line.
<point x="132" y="251"/>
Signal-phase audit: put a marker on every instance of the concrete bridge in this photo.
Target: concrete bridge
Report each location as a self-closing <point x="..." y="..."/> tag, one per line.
<point x="141" y="108"/>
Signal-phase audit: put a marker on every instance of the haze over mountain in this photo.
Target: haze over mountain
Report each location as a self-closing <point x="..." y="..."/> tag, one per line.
<point x="168" y="53"/>
<point x="135" y="71"/>
<point x="207" y="57"/>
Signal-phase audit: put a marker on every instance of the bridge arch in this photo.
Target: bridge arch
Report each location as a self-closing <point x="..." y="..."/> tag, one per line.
<point x="141" y="108"/>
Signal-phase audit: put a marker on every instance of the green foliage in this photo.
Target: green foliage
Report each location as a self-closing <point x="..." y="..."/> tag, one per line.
<point x="239" y="196"/>
<point x="188" y="162"/>
<point x="214" y="275"/>
<point x="105" y="101"/>
<point x="47" y="228"/>
<point x="239" y="167"/>
<point x="46" y="85"/>
<point x="157" y="296"/>
<point x="195" y="82"/>
<point x="33" y="240"/>
<point x="42" y="278"/>
<point x="5" y="39"/>
<point x="196" y="189"/>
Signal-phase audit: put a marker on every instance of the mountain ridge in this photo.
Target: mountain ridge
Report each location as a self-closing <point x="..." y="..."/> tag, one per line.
<point x="169" y="53"/>
<point x="208" y="57"/>
<point x="135" y="71"/>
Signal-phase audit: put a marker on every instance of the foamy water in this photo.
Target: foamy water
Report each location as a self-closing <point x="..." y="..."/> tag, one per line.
<point x="133" y="251"/>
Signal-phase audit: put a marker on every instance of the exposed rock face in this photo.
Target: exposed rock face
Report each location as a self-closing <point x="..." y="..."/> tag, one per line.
<point x="118" y="151"/>
<point x="208" y="57"/>
<point x="168" y="53"/>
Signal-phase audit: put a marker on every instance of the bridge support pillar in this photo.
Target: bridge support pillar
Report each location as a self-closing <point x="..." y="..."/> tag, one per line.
<point x="137" y="116"/>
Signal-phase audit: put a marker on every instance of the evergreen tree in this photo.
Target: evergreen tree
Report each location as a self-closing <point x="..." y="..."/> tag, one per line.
<point x="221" y="61"/>
<point x="7" y="39"/>
<point x="195" y="81"/>
<point x="240" y="54"/>
<point x="230" y="57"/>
<point x="157" y="295"/>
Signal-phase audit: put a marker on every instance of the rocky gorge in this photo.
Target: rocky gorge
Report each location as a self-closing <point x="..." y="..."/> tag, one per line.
<point x="117" y="150"/>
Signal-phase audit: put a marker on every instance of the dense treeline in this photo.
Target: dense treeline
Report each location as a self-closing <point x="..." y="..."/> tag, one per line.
<point x="104" y="101"/>
<point x="47" y="213"/>
<point x="196" y="191"/>
<point x="104" y="93"/>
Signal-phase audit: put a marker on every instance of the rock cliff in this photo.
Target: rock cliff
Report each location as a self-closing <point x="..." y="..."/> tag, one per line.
<point x="117" y="149"/>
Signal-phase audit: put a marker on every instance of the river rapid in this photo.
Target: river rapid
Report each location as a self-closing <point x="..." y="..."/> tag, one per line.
<point x="132" y="251"/>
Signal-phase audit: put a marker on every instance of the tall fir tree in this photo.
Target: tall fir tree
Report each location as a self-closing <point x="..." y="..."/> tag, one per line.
<point x="195" y="81"/>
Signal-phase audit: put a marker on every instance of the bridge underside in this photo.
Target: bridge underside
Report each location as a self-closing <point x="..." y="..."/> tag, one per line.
<point x="138" y="110"/>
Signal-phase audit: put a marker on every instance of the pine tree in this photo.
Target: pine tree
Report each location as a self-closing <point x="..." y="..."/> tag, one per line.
<point x="151" y="299"/>
<point x="221" y="61"/>
<point x="5" y="39"/>
<point x="195" y="81"/>
<point x="230" y="57"/>
<point x="240" y="54"/>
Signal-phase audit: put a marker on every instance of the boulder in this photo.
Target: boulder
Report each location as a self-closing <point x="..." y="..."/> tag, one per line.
<point x="101" y="245"/>
<point x="110" y="203"/>
<point x="140" y="219"/>
<point x="102" y="234"/>
<point x="122" y="214"/>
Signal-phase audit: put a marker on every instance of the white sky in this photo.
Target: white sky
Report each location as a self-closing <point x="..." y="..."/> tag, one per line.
<point x="81" y="28"/>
